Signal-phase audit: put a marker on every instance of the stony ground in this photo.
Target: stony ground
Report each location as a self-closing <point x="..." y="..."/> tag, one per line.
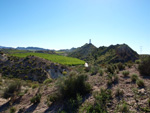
<point x="134" y="96"/>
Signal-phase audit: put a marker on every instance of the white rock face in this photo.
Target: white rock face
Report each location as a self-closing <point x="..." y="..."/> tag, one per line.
<point x="86" y="65"/>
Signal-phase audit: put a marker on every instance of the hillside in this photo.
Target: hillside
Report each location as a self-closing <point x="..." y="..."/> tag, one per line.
<point x="29" y="68"/>
<point x="83" y="52"/>
<point x="112" y="93"/>
<point x="112" y="54"/>
<point x="52" y="57"/>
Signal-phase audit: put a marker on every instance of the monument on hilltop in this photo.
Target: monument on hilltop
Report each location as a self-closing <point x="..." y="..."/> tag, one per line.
<point x="90" y="41"/>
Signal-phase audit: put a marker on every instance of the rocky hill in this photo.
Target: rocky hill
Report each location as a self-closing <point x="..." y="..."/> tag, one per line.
<point x="112" y="54"/>
<point x="83" y="52"/>
<point x="29" y="68"/>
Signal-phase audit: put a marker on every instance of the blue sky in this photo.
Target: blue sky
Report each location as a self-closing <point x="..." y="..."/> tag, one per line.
<point x="63" y="24"/>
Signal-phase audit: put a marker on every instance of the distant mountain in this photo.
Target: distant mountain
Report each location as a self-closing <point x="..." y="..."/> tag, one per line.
<point x="3" y="47"/>
<point x="31" y="48"/>
<point x="83" y="52"/>
<point x="111" y="54"/>
<point x="25" y="48"/>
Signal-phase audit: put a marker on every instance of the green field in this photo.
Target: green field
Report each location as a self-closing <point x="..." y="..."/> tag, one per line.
<point x="52" y="57"/>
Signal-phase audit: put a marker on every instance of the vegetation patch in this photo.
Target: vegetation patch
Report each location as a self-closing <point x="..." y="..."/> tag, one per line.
<point x="52" y="57"/>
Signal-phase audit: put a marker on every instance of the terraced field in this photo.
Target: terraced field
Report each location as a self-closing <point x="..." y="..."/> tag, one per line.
<point x="52" y="57"/>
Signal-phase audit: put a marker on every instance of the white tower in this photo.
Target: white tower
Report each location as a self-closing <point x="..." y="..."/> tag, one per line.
<point x="90" y="41"/>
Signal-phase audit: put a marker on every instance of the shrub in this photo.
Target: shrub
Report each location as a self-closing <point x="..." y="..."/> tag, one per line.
<point x="120" y="66"/>
<point x="94" y="70"/>
<point x="53" y="98"/>
<point x="124" y="108"/>
<point x="149" y="102"/>
<point x="125" y="73"/>
<point x="14" y="87"/>
<point x="49" y="80"/>
<point x="12" y="110"/>
<point x="116" y="78"/>
<point x="74" y="84"/>
<point x="101" y="72"/>
<point x="134" y="77"/>
<point x="64" y="72"/>
<point x="112" y="79"/>
<point x="111" y="69"/>
<point x="35" y="86"/>
<point x="138" y="61"/>
<point x="144" y="67"/>
<point x="101" y="100"/>
<point x="119" y="93"/>
<point x="36" y="98"/>
<point x="140" y="83"/>
<point x="73" y="104"/>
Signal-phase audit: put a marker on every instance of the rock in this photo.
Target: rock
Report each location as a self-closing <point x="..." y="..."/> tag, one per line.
<point x="141" y="91"/>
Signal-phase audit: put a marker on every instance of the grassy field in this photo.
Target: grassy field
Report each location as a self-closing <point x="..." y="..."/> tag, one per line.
<point x="54" y="58"/>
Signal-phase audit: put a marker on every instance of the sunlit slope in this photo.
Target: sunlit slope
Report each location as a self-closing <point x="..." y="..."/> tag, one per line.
<point x="54" y="58"/>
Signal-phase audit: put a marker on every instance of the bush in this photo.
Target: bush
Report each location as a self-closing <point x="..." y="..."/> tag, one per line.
<point x="120" y="66"/>
<point x="14" y="87"/>
<point x="72" y="105"/>
<point x="134" y="77"/>
<point x="149" y="102"/>
<point x="124" y="108"/>
<point x="35" y="86"/>
<point x="53" y="98"/>
<point x="36" y="98"/>
<point x="138" y="61"/>
<point x="94" y="70"/>
<point x="140" y="83"/>
<point x="49" y="80"/>
<point x="111" y="69"/>
<point x="144" y="67"/>
<point x="101" y="100"/>
<point x="64" y="72"/>
<point x="74" y="84"/>
<point x="12" y="110"/>
<point x="116" y="78"/>
<point x="125" y="73"/>
<point x="101" y="72"/>
<point x="119" y="93"/>
<point x="112" y="79"/>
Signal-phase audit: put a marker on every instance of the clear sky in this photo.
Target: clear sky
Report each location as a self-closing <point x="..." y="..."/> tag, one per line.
<point x="63" y="24"/>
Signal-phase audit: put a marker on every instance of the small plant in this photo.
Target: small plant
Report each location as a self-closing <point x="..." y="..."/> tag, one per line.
<point x="120" y="66"/>
<point x="138" y="61"/>
<point x="144" y="67"/>
<point x="149" y="102"/>
<point x="35" y="86"/>
<point x="47" y="81"/>
<point x="125" y="73"/>
<point x="101" y="72"/>
<point x="116" y="78"/>
<point x="74" y="84"/>
<point x="64" y="72"/>
<point x="101" y="100"/>
<point x="140" y="83"/>
<point x="111" y="69"/>
<point x="12" y="110"/>
<point x="119" y="93"/>
<point x="124" y="108"/>
<point x="134" y="77"/>
<point x="36" y="98"/>
<point x="53" y="98"/>
<point x="109" y="83"/>
<point x="13" y="88"/>
<point x="94" y="70"/>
